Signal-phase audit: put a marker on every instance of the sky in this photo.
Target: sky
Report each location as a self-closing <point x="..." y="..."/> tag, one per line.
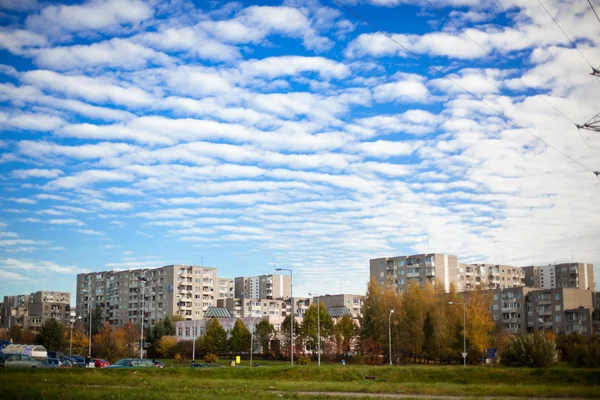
<point x="254" y="135"/>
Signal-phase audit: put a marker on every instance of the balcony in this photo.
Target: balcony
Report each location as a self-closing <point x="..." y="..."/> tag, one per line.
<point x="430" y="272"/>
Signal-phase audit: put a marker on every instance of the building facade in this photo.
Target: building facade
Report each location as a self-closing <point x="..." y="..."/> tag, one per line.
<point x="567" y="275"/>
<point x="352" y="302"/>
<point x="399" y="272"/>
<point x="270" y="286"/>
<point x="489" y="276"/>
<point x="121" y="296"/>
<point x="32" y="311"/>
<point x="254" y="307"/>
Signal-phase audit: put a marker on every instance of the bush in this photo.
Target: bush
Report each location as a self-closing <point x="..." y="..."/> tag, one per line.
<point x="211" y="358"/>
<point x="570" y="346"/>
<point x="303" y="360"/>
<point x="357" y="359"/>
<point x="589" y="354"/>
<point x="530" y="350"/>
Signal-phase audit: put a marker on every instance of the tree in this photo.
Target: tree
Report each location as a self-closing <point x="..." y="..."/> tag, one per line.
<point x="345" y="333"/>
<point x="239" y="341"/>
<point x="309" y="331"/>
<point x="52" y="335"/>
<point x="163" y="327"/>
<point x="215" y="339"/>
<point x="131" y="337"/>
<point x="29" y="337"/>
<point x="479" y="321"/>
<point x="264" y="332"/>
<point x="109" y="343"/>
<point x="15" y="333"/>
<point x="79" y="343"/>
<point x="164" y="346"/>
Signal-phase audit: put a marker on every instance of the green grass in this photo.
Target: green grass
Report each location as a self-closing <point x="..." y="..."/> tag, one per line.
<point x="275" y="382"/>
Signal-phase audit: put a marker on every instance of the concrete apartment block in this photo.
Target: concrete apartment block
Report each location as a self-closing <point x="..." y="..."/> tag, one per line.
<point x="352" y="302"/>
<point x="270" y="286"/>
<point x="563" y="310"/>
<point x="509" y="308"/>
<point x="489" y="276"/>
<point x="254" y="307"/>
<point x="399" y="272"/>
<point x="32" y="311"/>
<point x="567" y="275"/>
<point x="182" y="290"/>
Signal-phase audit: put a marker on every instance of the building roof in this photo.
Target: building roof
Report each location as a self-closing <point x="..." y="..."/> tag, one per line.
<point x="217" y="312"/>
<point x="338" y="311"/>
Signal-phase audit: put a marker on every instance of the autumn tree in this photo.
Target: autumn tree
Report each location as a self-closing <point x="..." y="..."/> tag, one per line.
<point x="15" y="333"/>
<point x="264" y="332"/>
<point x="164" y="345"/>
<point x="109" y="343"/>
<point x="79" y="341"/>
<point x="239" y="341"/>
<point x="345" y="333"/>
<point x="52" y="335"/>
<point x="131" y="337"/>
<point x="215" y="339"/>
<point x="479" y="321"/>
<point x="310" y="326"/>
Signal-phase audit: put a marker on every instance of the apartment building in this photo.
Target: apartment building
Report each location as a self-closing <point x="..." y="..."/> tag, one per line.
<point x="508" y="308"/>
<point x="33" y="310"/>
<point x="270" y="286"/>
<point x="254" y="307"/>
<point x="489" y="276"/>
<point x="567" y="275"/>
<point x="399" y="272"/>
<point x="352" y="302"/>
<point x="121" y="296"/>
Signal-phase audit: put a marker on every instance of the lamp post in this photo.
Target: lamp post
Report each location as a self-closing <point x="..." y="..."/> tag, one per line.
<point x="318" y="328"/>
<point x="292" y="313"/>
<point x="193" y="342"/>
<point x="390" y="334"/>
<point x="143" y="280"/>
<point x="252" y="338"/>
<point x="464" y="354"/>
<point x="73" y="319"/>
<point x="88" y="291"/>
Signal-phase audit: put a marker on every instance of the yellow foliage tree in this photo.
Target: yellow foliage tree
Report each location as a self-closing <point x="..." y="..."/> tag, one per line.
<point x="479" y="321"/>
<point x="109" y="343"/>
<point x="164" y="345"/>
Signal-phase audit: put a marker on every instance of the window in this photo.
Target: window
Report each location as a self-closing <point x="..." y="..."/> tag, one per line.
<point x="495" y="307"/>
<point x="381" y="274"/>
<point x="558" y="318"/>
<point x="496" y="296"/>
<point x="557" y="308"/>
<point x="557" y="296"/>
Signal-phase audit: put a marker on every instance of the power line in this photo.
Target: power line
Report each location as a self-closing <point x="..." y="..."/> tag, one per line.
<point x="594" y="10"/>
<point x="491" y="55"/>
<point x="565" y="33"/>
<point x="415" y="55"/>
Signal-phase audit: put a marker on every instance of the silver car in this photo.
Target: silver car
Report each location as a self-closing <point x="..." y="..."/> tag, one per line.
<point x="54" y="363"/>
<point x="18" y="361"/>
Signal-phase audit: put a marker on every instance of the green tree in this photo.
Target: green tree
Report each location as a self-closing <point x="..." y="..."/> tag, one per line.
<point x="309" y="331"/>
<point x="264" y="332"/>
<point x="215" y="339"/>
<point x="163" y="327"/>
<point x="428" y="332"/>
<point x="97" y="322"/>
<point x="345" y="332"/>
<point x="239" y="341"/>
<point x="52" y="335"/>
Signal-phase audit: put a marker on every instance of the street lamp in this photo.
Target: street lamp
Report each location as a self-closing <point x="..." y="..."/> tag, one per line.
<point x="88" y="291"/>
<point x="318" y="328"/>
<point x="390" y="334"/>
<point x="143" y="280"/>
<point x="464" y="354"/>
<point x="194" y="342"/>
<point x="292" y="313"/>
<point x="73" y="319"/>
<point x="252" y="338"/>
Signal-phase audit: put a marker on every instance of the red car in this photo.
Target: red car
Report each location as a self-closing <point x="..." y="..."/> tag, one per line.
<point x="101" y="363"/>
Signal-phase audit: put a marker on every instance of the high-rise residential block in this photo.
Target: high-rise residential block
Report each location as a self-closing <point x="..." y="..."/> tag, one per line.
<point x="32" y="311"/>
<point x="270" y="286"/>
<point x="489" y="276"/>
<point x="121" y="296"/>
<point x="567" y="275"/>
<point x="399" y="272"/>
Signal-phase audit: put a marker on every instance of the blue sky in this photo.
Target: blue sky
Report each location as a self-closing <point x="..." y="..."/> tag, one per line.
<point x="247" y="135"/>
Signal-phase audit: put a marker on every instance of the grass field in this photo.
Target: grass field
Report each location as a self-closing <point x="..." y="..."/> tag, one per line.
<point x="276" y="382"/>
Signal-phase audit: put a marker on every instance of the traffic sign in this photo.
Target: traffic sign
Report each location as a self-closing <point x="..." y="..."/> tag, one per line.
<point x="464" y="355"/>
<point x="490" y="352"/>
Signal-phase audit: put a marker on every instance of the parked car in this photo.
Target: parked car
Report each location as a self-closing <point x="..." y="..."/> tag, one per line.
<point x="18" y="361"/>
<point x="132" y="363"/>
<point x="101" y="363"/>
<point x="77" y="361"/>
<point x="158" y="364"/>
<point x="55" y="363"/>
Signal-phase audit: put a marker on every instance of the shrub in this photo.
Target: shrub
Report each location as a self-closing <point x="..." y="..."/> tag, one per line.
<point x="530" y="350"/>
<point x="589" y="354"/>
<point x="357" y="359"/>
<point x="211" y="358"/>
<point x="303" y="360"/>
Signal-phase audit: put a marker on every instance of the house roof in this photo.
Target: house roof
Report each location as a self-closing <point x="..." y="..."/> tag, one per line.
<point x="338" y="311"/>
<point x="217" y="312"/>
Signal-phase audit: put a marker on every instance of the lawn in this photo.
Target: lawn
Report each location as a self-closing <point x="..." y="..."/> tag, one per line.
<point x="276" y="382"/>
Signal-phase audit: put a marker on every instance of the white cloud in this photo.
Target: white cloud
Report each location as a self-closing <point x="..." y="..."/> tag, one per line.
<point x="18" y="41"/>
<point x="23" y="200"/>
<point x="8" y="276"/>
<point x="409" y="88"/>
<point x="273" y="67"/>
<point x="30" y="121"/>
<point x="66" y="221"/>
<point x="37" y="173"/>
<point x="92" y="15"/>
<point x="88" y="177"/>
<point x="38" y="266"/>
<point x="384" y="148"/>
<point x="87" y="232"/>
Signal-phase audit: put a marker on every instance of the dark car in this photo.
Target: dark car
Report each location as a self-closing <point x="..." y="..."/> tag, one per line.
<point x="158" y="364"/>
<point x="201" y="365"/>
<point x="76" y="361"/>
<point x="132" y="363"/>
<point x="99" y="363"/>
